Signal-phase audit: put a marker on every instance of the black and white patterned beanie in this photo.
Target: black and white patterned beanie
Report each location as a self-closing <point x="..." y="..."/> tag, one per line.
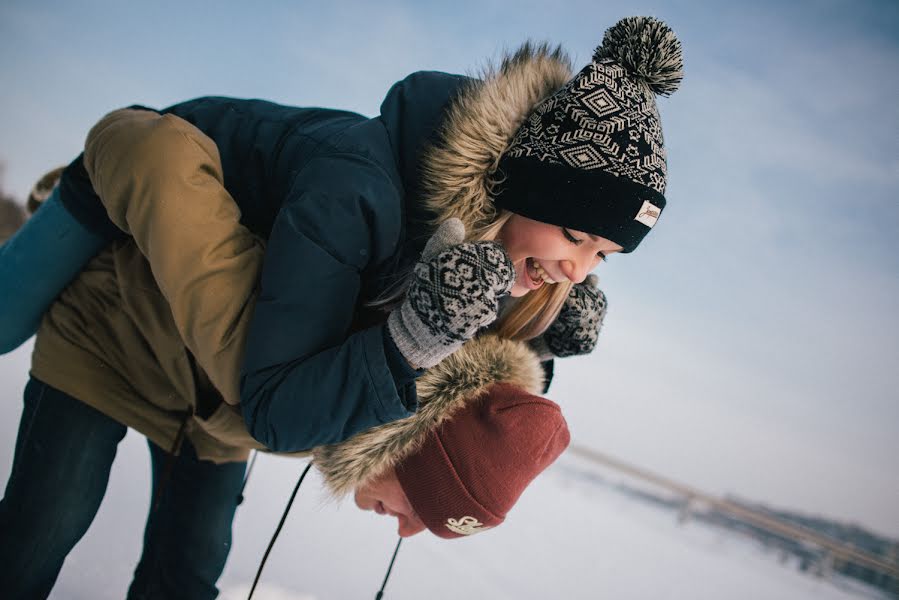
<point x="591" y="156"/>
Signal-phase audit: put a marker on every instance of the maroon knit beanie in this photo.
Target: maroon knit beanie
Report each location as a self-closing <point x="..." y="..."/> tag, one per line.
<point x="471" y="470"/>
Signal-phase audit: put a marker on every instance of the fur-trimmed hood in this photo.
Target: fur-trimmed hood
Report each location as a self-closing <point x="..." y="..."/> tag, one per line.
<point x="459" y="170"/>
<point x="458" y="173"/>
<point x="463" y="377"/>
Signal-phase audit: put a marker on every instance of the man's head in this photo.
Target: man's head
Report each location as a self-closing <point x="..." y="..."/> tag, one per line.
<point x="471" y="469"/>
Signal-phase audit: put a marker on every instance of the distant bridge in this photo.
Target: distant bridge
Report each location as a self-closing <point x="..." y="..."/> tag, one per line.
<point x="833" y="550"/>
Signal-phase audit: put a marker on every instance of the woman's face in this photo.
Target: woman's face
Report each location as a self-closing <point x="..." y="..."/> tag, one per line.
<point x="385" y="496"/>
<point x="545" y="253"/>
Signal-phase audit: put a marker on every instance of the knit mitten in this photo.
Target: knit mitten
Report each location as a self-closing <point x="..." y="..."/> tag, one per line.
<point x="576" y="329"/>
<point x="455" y="291"/>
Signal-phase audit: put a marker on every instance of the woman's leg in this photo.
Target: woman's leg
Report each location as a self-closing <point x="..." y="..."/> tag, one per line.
<point x="188" y="536"/>
<point x="36" y="264"/>
<point x="64" y="451"/>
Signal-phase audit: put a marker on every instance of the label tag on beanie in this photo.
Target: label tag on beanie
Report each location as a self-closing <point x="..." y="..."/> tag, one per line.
<point x="649" y="214"/>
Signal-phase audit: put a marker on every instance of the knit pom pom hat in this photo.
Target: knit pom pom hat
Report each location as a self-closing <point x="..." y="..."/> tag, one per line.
<point x="470" y="471"/>
<point x="591" y="156"/>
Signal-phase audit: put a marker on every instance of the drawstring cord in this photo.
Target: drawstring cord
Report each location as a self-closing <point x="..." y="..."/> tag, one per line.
<point x="246" y="478"/>
<point x="167" y="475"/>
<point x="278" y="530"/>
<point x="170" y="462"/>
<point x="389" y="569"/>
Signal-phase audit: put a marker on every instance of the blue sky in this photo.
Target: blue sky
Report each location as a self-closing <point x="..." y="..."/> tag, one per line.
<point x="751" y="345"/>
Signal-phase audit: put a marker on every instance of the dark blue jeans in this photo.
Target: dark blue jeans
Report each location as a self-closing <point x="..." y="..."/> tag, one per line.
<point x="63" y="455"/>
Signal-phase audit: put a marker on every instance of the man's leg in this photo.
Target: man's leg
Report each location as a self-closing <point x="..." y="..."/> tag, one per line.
<point x="188" y="536"/>
<point x="63" y="455"/>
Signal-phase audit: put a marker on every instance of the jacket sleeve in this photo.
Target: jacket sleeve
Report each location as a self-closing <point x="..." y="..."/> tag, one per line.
<point x="307" y="379"/>
<point x="160" y="180"/>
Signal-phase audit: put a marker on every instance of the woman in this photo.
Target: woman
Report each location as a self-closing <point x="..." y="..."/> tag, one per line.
<point x="547" y="173"/>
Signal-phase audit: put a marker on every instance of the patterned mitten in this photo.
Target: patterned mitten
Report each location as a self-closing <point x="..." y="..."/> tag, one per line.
<point x="455" y="291"/>
<point x="576" y="329"/>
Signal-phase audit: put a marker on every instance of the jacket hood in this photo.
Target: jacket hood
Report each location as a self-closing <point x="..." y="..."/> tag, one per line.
<point x="459" y="379"/>
<point x="448" y="151"/>
<point x="453" y="175"/>
<point x="459" y="171"/>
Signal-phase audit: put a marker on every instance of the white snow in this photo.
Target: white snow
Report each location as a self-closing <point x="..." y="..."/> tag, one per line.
<point x="263" y="592"/>
<point x="566" y="538"/>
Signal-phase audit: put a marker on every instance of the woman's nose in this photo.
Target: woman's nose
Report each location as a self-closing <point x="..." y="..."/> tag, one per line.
<point x="575" y="271"/>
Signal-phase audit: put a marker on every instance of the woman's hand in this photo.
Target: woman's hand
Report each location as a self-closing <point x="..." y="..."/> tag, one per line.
<point x="576" y="329"/>
<point x="454" y="292"/>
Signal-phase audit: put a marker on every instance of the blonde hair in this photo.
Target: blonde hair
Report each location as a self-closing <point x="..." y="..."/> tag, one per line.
<point x="536" y="311"/>
<point x="527" y="319"/>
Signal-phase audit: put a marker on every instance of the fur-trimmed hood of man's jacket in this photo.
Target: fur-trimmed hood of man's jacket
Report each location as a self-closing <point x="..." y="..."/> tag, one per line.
<point x="126" y="362"/>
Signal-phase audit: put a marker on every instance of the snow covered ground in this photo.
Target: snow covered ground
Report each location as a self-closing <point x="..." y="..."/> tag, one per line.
<point x="567" y="538"/>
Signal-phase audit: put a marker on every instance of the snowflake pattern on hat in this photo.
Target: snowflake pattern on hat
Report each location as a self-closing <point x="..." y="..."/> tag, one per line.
<point x="602" y="119"/>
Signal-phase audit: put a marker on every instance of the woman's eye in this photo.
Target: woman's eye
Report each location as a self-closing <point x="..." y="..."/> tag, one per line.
<point x="578" y="241"/>
<point x="570" y="237"/>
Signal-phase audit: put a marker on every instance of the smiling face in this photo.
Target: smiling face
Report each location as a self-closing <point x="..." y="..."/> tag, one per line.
<point x="385" y="496"/>
<point x="544" y="253"/>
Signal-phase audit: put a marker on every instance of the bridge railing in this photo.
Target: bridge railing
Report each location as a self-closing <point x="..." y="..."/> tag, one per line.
<point x="836" y="549"/>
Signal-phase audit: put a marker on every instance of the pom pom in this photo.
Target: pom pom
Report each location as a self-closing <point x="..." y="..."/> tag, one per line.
<point x="648" y="49"/>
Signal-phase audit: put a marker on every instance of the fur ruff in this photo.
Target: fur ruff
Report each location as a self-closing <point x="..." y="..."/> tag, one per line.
<point x="459" y="172"/>
<point x="458" y="380"/>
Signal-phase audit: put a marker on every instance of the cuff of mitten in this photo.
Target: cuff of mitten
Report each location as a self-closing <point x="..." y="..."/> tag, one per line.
<point x="549" y="367"/>
<point x="413" y="340"/>
<point x="403" y="374"/>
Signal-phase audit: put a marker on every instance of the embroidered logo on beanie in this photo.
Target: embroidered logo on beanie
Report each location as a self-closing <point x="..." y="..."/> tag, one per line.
<point x="465" y="526"/>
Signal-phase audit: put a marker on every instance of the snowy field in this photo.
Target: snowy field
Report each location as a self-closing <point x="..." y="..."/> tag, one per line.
<point x="567" y="538"/>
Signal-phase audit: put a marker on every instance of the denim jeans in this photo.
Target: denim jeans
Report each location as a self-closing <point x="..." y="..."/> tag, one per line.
<point x="63" y="455"/>
<point x="36" y="264"/>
